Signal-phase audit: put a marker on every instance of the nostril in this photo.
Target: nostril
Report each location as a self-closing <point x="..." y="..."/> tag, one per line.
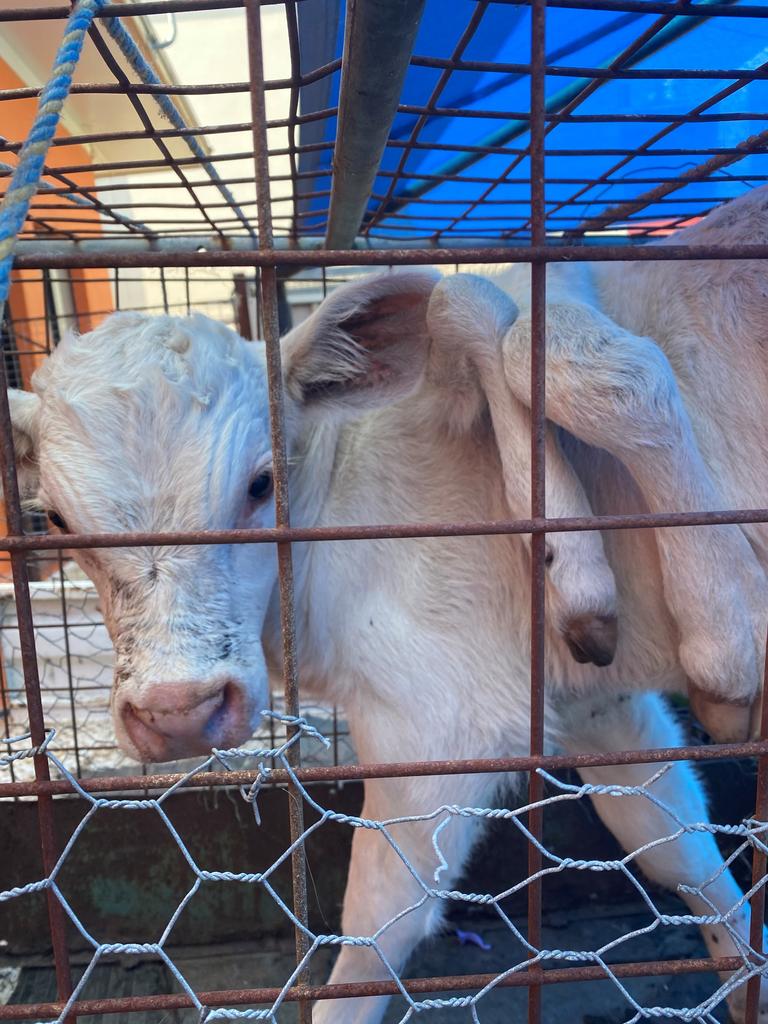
<point x="184" y="719"/>
<point x="219" y="713"/>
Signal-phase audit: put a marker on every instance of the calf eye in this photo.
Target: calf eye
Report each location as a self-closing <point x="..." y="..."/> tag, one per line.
<point x="261" y="486"/>
<point x="58" y="521"/>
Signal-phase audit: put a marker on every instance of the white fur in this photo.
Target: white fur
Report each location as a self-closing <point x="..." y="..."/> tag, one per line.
<point x="408" y="402"/>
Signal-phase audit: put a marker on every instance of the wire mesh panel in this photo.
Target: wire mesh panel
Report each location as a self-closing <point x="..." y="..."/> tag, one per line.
<point x="477" y="143"/>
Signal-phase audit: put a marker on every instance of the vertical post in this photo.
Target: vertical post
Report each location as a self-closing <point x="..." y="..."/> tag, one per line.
<point x="271" y="332"/>
<point x="45" y="811"/>
<point x="757" y="903"/>
<point x="244" y="328"/>
<point x="538" y="489"/>
<point x="48" y="313"/>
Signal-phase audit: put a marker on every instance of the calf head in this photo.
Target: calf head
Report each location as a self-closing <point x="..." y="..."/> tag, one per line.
<point x="162" y="424"/>
<point x="157" y="424"/>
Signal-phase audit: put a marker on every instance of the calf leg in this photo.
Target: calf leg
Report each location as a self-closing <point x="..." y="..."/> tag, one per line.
<point x="616" y="391"/>
<point x="468" y="318"/>
<point x="692" y="859"/>
<point x="385" y="881"/>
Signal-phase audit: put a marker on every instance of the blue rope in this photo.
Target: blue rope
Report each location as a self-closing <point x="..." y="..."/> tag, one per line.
<point x="135" y="58"/>
<point x="26" y="177"/>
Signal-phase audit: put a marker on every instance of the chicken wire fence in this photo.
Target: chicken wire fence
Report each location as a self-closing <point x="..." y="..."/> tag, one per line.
<point x="454" y="176"/>
<point x="596" y="963"/>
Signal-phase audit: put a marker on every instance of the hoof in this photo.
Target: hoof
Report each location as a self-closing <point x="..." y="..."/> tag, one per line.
<point x="592" y="638"/>
<point x="726" y="722"/>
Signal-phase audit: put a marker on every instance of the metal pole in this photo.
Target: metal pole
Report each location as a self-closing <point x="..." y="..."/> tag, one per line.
<point x="538" y="488"/>
<point x="379" y="36"/>
<point x="45" y="811"/>
<point x="271" y="331"/>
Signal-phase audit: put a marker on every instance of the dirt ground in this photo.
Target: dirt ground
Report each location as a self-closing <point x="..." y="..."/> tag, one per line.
<point x="270" y="963"/>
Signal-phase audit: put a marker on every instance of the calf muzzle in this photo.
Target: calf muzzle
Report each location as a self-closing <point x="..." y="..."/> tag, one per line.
<point x="184" y="719"/>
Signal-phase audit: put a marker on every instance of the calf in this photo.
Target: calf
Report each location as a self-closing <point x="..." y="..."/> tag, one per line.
<point x="407" y="401"/>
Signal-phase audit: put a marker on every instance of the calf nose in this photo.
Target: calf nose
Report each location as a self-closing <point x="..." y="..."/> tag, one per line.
<point x="174" y="720"/>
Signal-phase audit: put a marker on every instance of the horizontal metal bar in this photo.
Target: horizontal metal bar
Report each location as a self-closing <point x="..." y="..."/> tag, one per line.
<point x="204" y="251"/>
<point x="590" y="71"/>
<point x="405" y="531"/>
<point x="395" y="770"/>
<point x="350" y="990"/>
<point x="128" y="10"/>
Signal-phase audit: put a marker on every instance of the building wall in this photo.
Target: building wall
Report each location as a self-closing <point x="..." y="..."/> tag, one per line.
<point x="90" y="289"/>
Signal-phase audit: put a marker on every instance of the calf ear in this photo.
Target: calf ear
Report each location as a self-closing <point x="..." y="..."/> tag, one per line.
<point x="25" y="410"/>
<point x="365" y="346"/>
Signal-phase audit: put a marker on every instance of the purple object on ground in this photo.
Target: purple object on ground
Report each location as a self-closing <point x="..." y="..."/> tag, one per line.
<point x="473" y="938"/>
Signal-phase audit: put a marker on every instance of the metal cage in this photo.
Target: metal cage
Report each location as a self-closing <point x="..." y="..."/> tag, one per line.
<point x="354" y="223"/>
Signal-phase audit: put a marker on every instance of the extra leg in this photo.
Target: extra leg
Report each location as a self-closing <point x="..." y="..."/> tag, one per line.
<point x="616" y="391"/>
<point x="468" y="318"/>
<point x="643" y="721"/>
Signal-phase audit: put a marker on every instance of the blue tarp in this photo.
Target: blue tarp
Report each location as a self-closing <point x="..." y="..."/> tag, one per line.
<point x="586" y="169"/>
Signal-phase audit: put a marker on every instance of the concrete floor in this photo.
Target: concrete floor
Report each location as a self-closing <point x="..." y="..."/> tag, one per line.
<point x="270" y="963"/>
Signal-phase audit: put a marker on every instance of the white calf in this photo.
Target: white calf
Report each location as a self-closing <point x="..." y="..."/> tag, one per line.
<point x="407" y="401"/>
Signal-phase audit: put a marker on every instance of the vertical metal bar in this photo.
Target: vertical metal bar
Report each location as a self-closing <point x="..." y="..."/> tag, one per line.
<point x="164" y="287"/>
<point x="538" y="489"/>
<point x="59" y="556"/>
<point x="244" y="328"/>
<point x="271" y="333"/>
<point x="45" y="812"/>
<point x="757" y="903"/>
<point x="68" y="659"/>
<point x="5" y="694"/>
<point x="187" y="296"/>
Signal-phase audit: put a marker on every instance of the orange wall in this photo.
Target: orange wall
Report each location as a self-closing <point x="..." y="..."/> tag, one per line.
<point x="91" y="292"/>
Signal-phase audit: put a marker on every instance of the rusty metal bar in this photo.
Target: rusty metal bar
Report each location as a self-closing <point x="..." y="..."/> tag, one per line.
<point x="131" y="10"/>
<point x="557" y="108"/>
<point x="349" y="990"/>
<point x="753" y="144"/>
<point x="655" y="36"/>
<point x="187" y="252"/>
<point x="244" y="326"/>
<point x="393" y="770"/>
<point x="538" y="487"/>
<point x="759" y="863"/>
<point x="379" y="36"/>
<point x="271" y="330"/>
<point x="442" y="82"/>
<point x="128" y="10"/>
<point x="123" y="82"/>
<point x="697" y="112"/>
<point x="49" y="847"/>
<point x="295" y="82"/>
<point x="25" y="542"/>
